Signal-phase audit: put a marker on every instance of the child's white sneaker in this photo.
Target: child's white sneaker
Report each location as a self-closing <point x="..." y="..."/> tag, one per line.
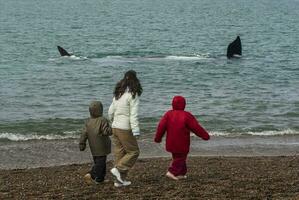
<point x="125" y="183"/>
<point x="116" y="173"/>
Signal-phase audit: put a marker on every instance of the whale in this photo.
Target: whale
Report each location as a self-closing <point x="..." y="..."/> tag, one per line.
<point x="234" y="49"/>
<point x="63" y="52"/>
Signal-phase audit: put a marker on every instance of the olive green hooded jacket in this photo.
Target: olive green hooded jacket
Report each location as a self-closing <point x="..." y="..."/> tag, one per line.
<point x="97" y="131"/>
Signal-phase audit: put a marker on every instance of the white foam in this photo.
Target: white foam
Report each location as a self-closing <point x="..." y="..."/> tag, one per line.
<point x="114" y="60"/>
<point x="75" y="135"/>
<point x="271" y="133"/>
<point x="73" y="57"/>
<point x="237" y="56"/>
<point x="186" y="58"/>
<point x="262" y="133"/>
<point x="34" y="136"/>
<point x="122" y="59"/>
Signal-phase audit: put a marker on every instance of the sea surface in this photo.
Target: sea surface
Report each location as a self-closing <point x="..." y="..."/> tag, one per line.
<point x="177" y="47"/>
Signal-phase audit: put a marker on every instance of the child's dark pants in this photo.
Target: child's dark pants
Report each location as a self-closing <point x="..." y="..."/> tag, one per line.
<point x="98" y="171"/>
<point x="178" y="166"/>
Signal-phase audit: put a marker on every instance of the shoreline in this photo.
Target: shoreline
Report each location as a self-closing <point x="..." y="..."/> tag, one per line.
<point x="262" y="177"/>
<point x="47" y="153"/>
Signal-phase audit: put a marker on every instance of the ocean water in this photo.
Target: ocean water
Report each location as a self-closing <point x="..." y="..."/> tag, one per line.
<point x="177" y="47"/>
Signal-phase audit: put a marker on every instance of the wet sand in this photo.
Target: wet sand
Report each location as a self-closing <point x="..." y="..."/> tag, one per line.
<point x="274" y="177"/>
<point x="47" y="153"/>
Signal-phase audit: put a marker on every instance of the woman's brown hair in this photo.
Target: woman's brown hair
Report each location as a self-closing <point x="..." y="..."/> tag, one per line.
<point x="130" y="82"/>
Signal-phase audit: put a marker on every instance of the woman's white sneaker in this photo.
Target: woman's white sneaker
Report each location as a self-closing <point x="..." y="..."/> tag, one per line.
<point x="116" y="173"/>
<point x="125" y="183"/>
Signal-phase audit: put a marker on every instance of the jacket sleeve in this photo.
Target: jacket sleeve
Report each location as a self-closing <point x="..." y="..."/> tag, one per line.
<point x="83" y="138"/>
<point x="196" y="128"/>
<point x="161" y="129"/>
<point x="105" y="128"/>
<point x="111" y="111"/>
<point x="134" y="104"/>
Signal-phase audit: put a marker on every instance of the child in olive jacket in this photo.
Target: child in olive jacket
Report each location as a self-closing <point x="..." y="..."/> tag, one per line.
<point x="97" y="131"/>
<point x="177" y="124"/>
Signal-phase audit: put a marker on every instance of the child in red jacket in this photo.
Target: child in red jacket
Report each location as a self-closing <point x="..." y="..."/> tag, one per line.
<point x="178" y="124"/>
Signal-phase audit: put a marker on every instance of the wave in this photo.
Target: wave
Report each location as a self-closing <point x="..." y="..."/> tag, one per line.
<point x="159" y="58"/>
<point x="255" y="133"/>
<point x="76" y="135"/>
<point x="123" y="58"/>
<point x="34" y="136"/>
<point x="187" y="58"/>
<point x="72" y="57"/>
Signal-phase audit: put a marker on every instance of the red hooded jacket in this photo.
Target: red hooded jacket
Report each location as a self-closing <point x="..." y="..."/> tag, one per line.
<point x="178" y="124"/>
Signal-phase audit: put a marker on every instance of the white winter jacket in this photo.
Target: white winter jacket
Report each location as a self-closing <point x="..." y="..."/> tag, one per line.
<point x="124" y="113"/>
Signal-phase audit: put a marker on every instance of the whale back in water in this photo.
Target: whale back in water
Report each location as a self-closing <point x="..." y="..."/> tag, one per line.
<point x="62" y="51"/>
<point x="234" y="49"/>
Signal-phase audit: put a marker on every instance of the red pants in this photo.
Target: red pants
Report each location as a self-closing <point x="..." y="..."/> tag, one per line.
<point x="178" y="166"/>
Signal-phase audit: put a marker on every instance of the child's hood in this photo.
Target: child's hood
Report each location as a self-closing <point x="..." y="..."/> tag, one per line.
<point x="96" y="109"/>
<point x="178" y="103"/>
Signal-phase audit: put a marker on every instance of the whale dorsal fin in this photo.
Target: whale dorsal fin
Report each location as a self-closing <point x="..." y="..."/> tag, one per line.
<point x="62" y="51"/>
<point x="234" y="48"/>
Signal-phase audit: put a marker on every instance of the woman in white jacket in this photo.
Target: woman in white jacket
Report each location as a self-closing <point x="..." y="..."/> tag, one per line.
<point x="123" y="113"/>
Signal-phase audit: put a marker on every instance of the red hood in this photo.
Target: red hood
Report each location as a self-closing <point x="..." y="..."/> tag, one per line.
<point x="178" y="103"/>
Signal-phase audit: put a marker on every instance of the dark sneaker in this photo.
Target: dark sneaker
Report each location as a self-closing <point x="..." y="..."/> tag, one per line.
<point x="102" y="181"/>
